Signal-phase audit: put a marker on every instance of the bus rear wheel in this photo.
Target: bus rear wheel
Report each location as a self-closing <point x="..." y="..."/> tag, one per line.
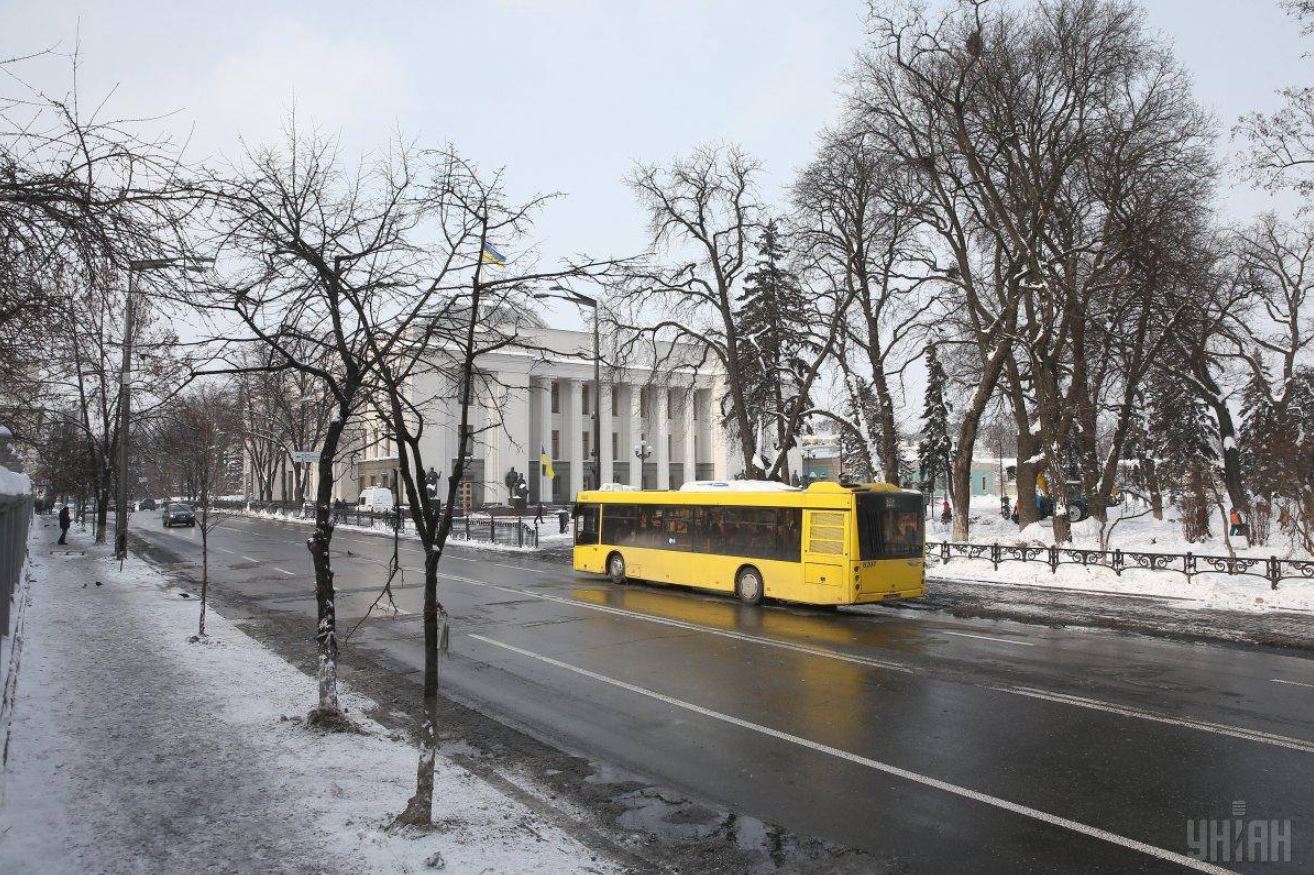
<point x="616" y="568"/>
<point x="748" y="586"/>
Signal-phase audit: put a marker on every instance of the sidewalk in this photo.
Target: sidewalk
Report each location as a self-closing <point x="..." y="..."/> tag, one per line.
<point x="133" y="750"/>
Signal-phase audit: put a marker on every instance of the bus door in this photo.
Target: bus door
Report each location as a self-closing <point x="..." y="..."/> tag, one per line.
<point x="823" y="547"/>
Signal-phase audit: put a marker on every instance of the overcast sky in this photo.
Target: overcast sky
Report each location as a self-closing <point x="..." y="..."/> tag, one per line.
<point x="565" y="94"/>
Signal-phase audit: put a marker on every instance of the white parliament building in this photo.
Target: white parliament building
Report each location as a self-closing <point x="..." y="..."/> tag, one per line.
<point x="659" y="424"/>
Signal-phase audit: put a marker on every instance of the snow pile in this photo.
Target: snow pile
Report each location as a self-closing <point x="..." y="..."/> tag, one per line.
<point x="549" y="531"/>
<point x="1129" y="527"/>
<point x="13" y="483"/>
<point x="737" y="486"/>
<point x="1134" y="531"/>
<point x="134" y="750"/>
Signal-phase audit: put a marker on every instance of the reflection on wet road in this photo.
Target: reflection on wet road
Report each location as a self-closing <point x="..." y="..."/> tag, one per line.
<point x="941" y="743"/>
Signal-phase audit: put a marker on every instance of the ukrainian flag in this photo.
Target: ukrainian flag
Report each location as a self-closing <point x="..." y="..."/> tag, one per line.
<point x="546" y="462"/>
<point x="490" y="255"/>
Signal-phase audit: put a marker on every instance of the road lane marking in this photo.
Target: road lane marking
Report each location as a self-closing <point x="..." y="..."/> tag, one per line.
<point x="1057" y="698"/>
<point x="1242" y="733"/>
<point x="877" y="765"/>
<point x="249" y="559"/>
<point x="517" y="567"/>
<point x="692" y="627"/>
<point x="990" y="638"/>
<point x="1202" y="725"/>
<point x="224" y="550"/>
<point x="1292" y="683"/>
<point x="288" y="573"/>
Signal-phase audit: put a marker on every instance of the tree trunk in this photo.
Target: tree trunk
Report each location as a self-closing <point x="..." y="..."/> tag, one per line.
<point x="205" y="565"/>
<point x="1236" y="492"/>
<point x="1152" y="486"/>
<point x="1028" y="446"/>
<point x="888" y="448"/>
<point x="102" y="513"/>
<point x="419" y="808"/>
<point x="960" y="483"/>
<point x="329" y="711"/>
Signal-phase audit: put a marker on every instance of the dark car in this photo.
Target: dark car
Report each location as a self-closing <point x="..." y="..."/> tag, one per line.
<point x="176" y="514"/>
<point x="147" y="504"/>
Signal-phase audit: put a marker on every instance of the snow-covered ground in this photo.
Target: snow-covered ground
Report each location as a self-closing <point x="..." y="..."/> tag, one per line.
<point x="1135" y="530"/>
<point x="549" y="532"/>
<point x="134" y="750"/>
<point x="14" y="483"/>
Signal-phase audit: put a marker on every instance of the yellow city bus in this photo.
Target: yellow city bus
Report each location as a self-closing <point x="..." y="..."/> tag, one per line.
<point x="824" y="545"/>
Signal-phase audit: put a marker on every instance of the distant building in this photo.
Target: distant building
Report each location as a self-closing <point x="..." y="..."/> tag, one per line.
<point x="822" y="461"/>
<point x="660" y="427"/>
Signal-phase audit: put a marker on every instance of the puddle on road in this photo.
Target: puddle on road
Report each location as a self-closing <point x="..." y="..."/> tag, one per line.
<point x="669" y="818"/>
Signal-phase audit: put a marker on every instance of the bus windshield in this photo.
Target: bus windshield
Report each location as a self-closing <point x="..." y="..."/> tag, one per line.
<point x="586" y="523"/>
<point x="889" y="526"/>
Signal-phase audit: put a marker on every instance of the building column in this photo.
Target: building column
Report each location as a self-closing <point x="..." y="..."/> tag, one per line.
<point x="540" y="437"/>
<point x="660" y="411"/>
<point x="632" y="433"/>
<point x="605" y="456"/>
<point x="690" y="436"/>
<point x="719" y="449"/>
<point x="570" y="434"/>
<point x="514" y="434"/>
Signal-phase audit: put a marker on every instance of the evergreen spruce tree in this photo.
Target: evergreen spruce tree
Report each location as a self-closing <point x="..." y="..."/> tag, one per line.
<point x="933" y="453"/>
<point x="773" y="325"/>
<point x="1183" y="438"/>
<point x="854" y="434"/>
<point x="1261" y="437"/>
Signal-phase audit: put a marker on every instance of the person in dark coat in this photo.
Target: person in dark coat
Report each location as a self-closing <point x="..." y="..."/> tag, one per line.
<point x="65" y="520"/>
<point x="539" y="517"/>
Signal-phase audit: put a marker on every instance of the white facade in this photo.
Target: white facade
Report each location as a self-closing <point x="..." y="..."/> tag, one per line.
<point x="539" y="396"/>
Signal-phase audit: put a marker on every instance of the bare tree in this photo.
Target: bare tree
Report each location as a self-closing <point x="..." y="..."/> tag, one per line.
<point x="462" y="313"/>
<point x="1282" y="142"/>
<point x="861" y="226"/>
<point x="315" y="252"/>
<point x="199" y="431"/>
<point x="703" y="212"/>
<point x="1063" y="156"/>
<point x="81" y="194"/>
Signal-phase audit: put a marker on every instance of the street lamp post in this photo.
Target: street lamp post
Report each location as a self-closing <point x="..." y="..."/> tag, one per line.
<point x="641" y="452"/>
<point x="125" y="385"/>
<point x="586" y="301"/>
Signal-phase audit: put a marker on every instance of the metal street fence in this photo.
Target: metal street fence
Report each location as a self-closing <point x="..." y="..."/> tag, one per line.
<point x="15" y="515"/>
<point x="486" y="529"/>
<point x="1271" y="569"/>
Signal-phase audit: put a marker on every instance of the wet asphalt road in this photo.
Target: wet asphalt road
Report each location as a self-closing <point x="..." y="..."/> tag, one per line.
<point x="935" y="744"/>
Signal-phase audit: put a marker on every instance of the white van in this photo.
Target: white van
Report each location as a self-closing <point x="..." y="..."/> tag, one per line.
<point x="375" y="498"/>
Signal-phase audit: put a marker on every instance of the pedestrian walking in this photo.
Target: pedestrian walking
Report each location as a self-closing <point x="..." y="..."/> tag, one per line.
<point x="65" y="520"/>
<point x="946" y="515"/>
<point x="1239" y="527"/>
<point x="539" y="518"/>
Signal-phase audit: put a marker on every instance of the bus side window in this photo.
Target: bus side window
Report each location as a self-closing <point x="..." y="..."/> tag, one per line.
<point x="698" y="539"/>
<point x="676" y="528"/>
<point x="789" y="539"/>
<point x="618" y="524"/>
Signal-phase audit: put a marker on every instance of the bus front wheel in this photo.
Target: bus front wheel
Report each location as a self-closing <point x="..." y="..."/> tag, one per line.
<point x="748" y="586"/>
<point x="616" y="568"/>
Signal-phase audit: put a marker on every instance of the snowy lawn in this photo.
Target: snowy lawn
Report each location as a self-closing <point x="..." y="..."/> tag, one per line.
<point x="1133" y="532"/>
<point x="134" y="750"/>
